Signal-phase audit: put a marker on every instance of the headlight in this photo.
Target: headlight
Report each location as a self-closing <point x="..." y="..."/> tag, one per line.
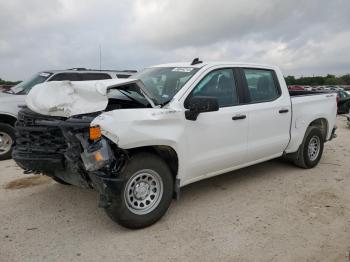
<point x="97" y="157"/>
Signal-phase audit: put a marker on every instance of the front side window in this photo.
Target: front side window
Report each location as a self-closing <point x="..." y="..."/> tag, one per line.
<point x="219" y="84"/>
<point x="261" y="85"/>
<point x="164" y="82"/>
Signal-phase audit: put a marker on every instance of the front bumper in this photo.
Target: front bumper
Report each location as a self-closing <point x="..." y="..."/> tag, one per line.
<point x="61" y="148"/>
<point x="109" y="187"/>
<point x="39" y="162"/>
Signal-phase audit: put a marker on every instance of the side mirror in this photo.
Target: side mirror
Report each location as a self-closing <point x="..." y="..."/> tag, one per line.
<point x="200" y="104"/>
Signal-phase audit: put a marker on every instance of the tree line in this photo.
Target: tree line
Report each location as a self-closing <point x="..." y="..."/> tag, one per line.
<point x="318" y="80"/>
<point x="10" y="83"/>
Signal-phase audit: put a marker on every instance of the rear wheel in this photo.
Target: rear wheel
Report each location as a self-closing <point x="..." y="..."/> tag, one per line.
<point x="7" y="138"/>
<point x="147" y="192"/>
<point x="310" y="151"/>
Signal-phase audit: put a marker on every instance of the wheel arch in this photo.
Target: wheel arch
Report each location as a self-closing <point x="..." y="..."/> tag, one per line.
<point x="165" y="152"/>
<point x="169" y="156"/>
<point x="8" y="119"/>
<point x="322" y="124"/>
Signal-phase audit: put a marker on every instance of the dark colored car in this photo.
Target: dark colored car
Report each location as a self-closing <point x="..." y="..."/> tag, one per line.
<point x="343" y="100"/>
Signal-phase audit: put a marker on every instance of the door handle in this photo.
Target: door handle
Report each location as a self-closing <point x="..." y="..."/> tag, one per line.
<point x="239" y="117"/>
<point x="283" y="111"/>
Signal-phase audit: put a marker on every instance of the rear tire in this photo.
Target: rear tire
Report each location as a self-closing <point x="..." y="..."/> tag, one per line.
<point x="310" y="151"/>
<point x="146" y="194"/>
<point x="7" y="138"/>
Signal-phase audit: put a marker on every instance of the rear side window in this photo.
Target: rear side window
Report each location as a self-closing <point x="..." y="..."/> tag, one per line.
<point x="65" y="76"/>
<point x="261" y="85"/>
<point x="219" y="84"/>
<point x="95" y="76"/>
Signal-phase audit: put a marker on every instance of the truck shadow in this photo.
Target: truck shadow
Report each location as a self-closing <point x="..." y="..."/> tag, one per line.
<point x="69" y="205"/>
<point x="273" y="169"/>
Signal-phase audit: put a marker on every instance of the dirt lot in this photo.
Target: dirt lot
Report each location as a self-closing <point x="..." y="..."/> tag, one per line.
<point x="269" y="212"/>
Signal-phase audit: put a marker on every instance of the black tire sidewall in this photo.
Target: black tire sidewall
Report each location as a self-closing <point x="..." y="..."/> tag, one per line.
<point x="8" y="129"/>
<point x="312" y="132"/>
<point x="118" y="210"/>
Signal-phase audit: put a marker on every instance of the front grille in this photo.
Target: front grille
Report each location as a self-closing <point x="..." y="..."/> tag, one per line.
<point x="35" y="137"/>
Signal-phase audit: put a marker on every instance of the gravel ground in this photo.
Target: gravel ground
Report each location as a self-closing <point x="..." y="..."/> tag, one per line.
<point x="269" y="212"/>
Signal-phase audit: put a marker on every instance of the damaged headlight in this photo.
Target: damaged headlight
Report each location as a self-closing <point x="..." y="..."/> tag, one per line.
<point x="96" y="155"/>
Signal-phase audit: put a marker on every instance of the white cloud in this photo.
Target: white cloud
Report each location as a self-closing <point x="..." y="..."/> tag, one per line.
<point x="303" y="37"/>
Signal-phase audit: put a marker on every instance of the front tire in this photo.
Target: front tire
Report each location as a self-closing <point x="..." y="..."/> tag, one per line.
<point x="7" y="138"/>
<point x="310" y="151"/>
<point x="146" y="194"/>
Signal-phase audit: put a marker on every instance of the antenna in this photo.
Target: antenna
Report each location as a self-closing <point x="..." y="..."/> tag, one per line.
<point x="100" y="55"/>
<point x="196" y="61"/>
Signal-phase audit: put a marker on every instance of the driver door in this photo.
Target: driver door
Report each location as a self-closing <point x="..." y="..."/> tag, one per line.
<point x="216" y="141"/>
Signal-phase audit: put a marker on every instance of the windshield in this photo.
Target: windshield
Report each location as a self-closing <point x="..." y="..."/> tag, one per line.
<point x="25" y="86"/>
<point x="164" y="82"/>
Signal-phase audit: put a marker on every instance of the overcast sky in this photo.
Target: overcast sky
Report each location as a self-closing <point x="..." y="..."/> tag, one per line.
<point x="302" y="37"/>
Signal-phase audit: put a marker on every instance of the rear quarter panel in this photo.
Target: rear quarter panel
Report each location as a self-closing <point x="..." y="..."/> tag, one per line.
<point x="305" y="110"/>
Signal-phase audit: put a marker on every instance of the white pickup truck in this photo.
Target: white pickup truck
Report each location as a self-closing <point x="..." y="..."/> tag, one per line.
<point x="138" y="141"/>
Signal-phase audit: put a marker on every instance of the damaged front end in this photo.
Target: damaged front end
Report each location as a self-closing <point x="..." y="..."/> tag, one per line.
<point x="69" y="149"/>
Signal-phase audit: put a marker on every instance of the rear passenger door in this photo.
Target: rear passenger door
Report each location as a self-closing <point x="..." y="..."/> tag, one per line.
<point x="268" y="113"/>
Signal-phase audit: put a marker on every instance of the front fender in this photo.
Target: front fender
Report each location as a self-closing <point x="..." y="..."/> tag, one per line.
<point x="130" y="128"/>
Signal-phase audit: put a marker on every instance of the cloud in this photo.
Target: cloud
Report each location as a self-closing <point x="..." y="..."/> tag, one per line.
<point x="302" y="37"/>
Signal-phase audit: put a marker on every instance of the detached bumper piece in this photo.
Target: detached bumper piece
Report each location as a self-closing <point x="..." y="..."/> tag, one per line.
<point x="107" y="186"/>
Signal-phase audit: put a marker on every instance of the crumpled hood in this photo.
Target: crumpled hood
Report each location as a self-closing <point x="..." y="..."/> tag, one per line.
<point x="66" y="98"/>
